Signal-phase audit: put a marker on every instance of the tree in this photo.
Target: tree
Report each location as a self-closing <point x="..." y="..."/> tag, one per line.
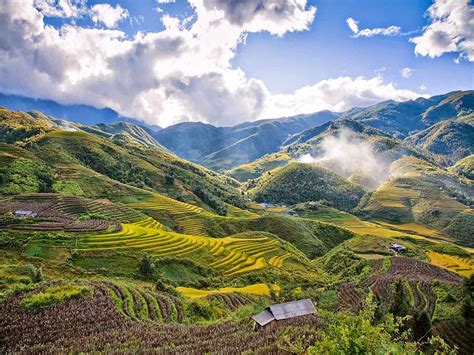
<point x="169" y="179"/>
<point x="468" y="302"/>
<point x="345" y="333"/>
<point x="402" y="308"/>
<point x="422" y="326"/>
<point x="147" y="267"/>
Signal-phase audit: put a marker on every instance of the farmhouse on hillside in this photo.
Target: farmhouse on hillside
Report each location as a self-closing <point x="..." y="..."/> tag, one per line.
<point x="286" y="310"/>
<point x="25" y="214"/>
<point x="396" y="247"/>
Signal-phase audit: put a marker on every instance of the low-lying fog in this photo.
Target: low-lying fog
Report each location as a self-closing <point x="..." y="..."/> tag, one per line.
<point x="350" y="156"/>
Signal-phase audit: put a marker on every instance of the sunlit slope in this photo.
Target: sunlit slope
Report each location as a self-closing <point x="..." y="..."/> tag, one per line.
<point x="230" y="255"/>
<point x="255" y="169"/>
<point x="311" y="237"/>
<point x="424" y="194"/>
<point x="464" y="167"/>
<point x="461" y="265"/>
<point x="76" y="159"/>
<point x="298" y="182"/>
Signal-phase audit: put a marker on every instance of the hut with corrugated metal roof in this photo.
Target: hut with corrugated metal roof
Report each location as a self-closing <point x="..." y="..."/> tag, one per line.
<point x="283" y="311"/>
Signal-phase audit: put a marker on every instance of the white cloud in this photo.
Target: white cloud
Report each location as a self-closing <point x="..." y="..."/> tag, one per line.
<point x="61" y="8"/>
<point x="108" y="15"/>
<point x="353" y="25"/>
<point x="451" y="30"/>
<point x="182" y="73"/>
<point x="423" y="87"/>
<point x="347" y="154"/>
<point x="336" y="94"/>
<point x="370" y="32"/>
<point x="165" y="1"/>
<point x="406" y="72"/>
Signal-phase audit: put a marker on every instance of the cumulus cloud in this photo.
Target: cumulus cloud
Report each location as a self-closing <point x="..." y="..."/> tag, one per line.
<point x="182" y="73"/>
<point x="451" y="30"/>
<point x="348" y="155"/>
<point x="406" y="72"/>
<point x="337" y="94"/>
<point x="62" y="8"/>
<point x="108" y="15"/>
<point x="370" y="32"/>
<point x="274" y="16"/>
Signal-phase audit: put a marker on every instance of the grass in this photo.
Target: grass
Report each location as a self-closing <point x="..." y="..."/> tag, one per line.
<point x="54" y="295"/>
<point x="256" y="168"/>
<point x="459" y="265"/>
<point x="256" y="289"/>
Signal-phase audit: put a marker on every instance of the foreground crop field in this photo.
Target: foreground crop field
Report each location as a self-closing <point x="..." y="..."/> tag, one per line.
<point x="97" y="324"/>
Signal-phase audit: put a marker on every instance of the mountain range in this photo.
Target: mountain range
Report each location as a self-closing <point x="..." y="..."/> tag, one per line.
<point x="420" y="123"/>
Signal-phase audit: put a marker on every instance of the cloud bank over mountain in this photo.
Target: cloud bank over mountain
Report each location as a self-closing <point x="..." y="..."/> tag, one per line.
<point x="182" y="73"/>
<point x="451" y="30"/>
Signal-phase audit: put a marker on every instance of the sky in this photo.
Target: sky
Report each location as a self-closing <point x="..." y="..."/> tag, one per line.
<point x="229" y="61"/>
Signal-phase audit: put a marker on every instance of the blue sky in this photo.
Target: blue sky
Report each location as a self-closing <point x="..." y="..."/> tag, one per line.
<point x="226" y="62"/>
<point x="327" y="49"/>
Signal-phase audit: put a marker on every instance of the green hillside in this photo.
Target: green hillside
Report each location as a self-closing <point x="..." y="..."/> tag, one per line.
<point x="115" y="130"/>
<point x="299" y="182"/>
<point x="133" y="249"/>
<point x="464" y="167"/>
<point x="451" y="139"/>
<point x="401" y="118"/>
<point x="77" y="162"/>
<point x="423" y="193"/>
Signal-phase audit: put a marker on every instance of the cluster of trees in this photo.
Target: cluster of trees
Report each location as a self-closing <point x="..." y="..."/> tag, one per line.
<point x="346" y="333"/>
<point x="210" y="200"/>
<point x="24" y="175"/>
<point x="111" y="164"/>
<point x="302" y="182"/>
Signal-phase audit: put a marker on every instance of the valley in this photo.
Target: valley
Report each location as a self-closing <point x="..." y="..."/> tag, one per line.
<point x="109" y="232"/>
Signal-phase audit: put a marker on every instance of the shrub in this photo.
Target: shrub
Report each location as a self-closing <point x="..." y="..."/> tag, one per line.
<point x="24" y="175"/>
<point x="199" y="311"/>
<point x="147" y="267"/>
<point x="34" y="273"/>
<point x="451" y="249"/>
<point x="93" y="215"/>
<point x="53" y="295"/>
<point x="345" y="333"/>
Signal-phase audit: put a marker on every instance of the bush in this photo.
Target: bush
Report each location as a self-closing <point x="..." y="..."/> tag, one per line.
<point x="356" y="334"/>
<point x="24" y="175"/>
<point x="34" y="273"/>
<point x="199" y="311"/>
<point x="53" y="295"/>
<point x="147" y="267"/>
<point x="93" y="215"/>
<point x="451" y="249"/>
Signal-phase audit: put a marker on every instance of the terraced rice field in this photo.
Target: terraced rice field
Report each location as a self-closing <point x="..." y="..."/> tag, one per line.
<point x="417" y="277"/>
<point x="183" y="213"/>
<point x="256" y="289"/>
<point x="461" y="266"/>
<point x="231" y="256"/>
<point x="231" y="301"/>
<point x="457" y="333"/>
<point x="145" y="305"/>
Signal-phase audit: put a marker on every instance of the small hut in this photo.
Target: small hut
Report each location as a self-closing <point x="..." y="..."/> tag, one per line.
<point x="283" y="311"/>
<point x="25" y="214"/>
<point x="396" y="247"/>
